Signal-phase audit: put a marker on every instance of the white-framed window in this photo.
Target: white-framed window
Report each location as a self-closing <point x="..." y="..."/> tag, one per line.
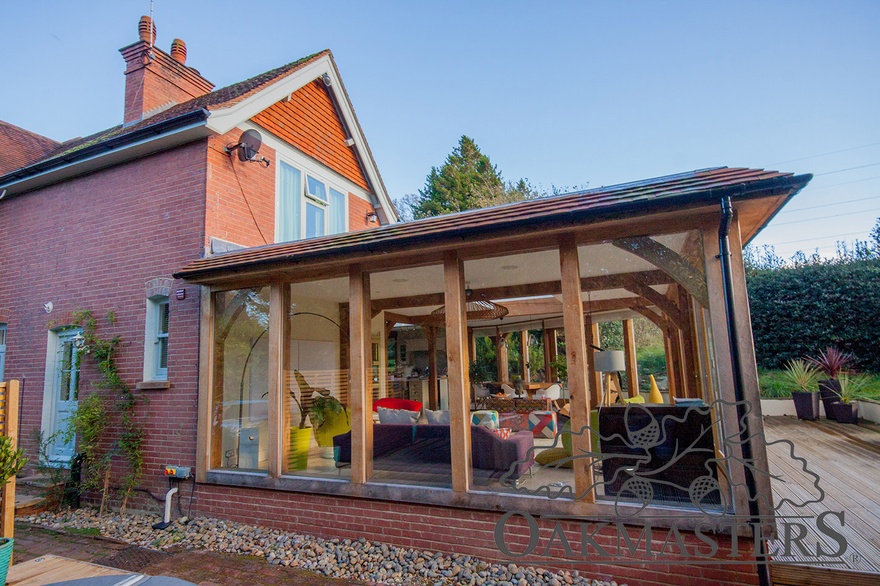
<point x="307" y="205"/>
<point x="156" y="341"/>
<point x="2" y="349"/>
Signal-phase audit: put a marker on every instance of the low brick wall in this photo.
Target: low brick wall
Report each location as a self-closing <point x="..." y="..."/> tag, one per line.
<point x="473" y="533"/>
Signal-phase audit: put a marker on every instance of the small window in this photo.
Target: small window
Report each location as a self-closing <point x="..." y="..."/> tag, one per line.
<point x="317" y="189"/>
<point x="156" y="340"/>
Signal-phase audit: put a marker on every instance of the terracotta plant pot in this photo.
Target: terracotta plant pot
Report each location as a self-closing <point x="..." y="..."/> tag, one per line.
<point x="846" y="412"/>
<point x="829" y="392"/>
<point x="806" y="405"/>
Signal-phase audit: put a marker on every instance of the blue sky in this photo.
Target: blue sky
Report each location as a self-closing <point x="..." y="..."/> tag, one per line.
<point x="563" y="93"/>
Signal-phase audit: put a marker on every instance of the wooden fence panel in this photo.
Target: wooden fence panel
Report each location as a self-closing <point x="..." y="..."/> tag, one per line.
<point x="8" y="427"/>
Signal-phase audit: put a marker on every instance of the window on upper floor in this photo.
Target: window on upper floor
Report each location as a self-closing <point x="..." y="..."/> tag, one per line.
<point x="307" y="205"/>
<point x="156" y="342"/>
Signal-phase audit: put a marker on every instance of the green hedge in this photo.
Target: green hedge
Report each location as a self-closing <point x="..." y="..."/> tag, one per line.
<point x="799" y="311"/>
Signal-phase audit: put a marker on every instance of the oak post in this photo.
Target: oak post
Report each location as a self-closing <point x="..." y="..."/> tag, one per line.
<point x="629" y="349"/>
<point x="576" y="352"/>
<point x="458" y="372"/>
<point x="278" y="447"/>
<point x="361" y="381"/>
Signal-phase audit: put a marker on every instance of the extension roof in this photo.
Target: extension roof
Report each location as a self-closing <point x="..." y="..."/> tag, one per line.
<point x="684" y="190"/>
<point x="20" y="147"/>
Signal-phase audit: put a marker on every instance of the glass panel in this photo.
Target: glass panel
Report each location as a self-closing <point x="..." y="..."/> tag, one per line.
<point x="314" y="221"/>
<point x="411" y="434"/>
<point x="317" y="189"/>
<point x="337" y="212"/>
<point x="289" y="202"/>
<point x="241" y="379"/>
<point x="67" y="357"/>
<point x="316" y="379"/>
<point x="518" y="375"/>
<point x="163" y="354"/>
<point x="164" y="310"/>
<point x="2" y="334"/>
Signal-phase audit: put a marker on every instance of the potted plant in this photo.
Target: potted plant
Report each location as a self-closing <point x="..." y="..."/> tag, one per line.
<point x="11" y="461"/>
<point x="299" y="439"/>
<point x="831" y="362"/>
<point x="806" y="400"/>
<point x="846" y="409"/>
<point x="329" y="418"/>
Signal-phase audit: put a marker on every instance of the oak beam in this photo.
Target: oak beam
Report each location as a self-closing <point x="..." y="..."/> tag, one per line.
<point x="669" y="261"/>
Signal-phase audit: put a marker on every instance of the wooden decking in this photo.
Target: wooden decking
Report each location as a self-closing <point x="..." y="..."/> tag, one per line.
<point x="50" y="569"/>
<point x="845" y="458"/>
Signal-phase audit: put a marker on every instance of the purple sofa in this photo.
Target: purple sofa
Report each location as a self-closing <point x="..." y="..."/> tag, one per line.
<point x="429" y="444"/>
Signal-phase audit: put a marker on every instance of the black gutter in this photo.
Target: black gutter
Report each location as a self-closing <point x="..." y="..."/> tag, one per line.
<point x="151" y="131"/>
<point x="739" y="390"/>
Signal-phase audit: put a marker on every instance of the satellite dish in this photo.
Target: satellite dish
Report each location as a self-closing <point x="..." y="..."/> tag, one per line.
<point x="249" y="145"/>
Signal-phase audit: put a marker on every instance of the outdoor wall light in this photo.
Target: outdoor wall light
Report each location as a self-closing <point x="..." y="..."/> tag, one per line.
<point x="181" y="294"/>
<point x="372" y="217"/>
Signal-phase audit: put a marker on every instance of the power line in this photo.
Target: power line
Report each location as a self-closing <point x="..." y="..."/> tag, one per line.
<point x="826" y="205"/>
<point x="864" y="146"/>
<point x="847" y="169"/>
<point x="824" y="217"/>
<point x="845" y="183"/>
<point x="818" y="238"/>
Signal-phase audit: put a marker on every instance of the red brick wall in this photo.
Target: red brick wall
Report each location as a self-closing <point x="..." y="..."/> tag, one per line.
<point x="240" y="195"/>
<point x="309" y="122"/>
<point x="464" y="531"/>
<point x="92" y="243"/>
<point x="357" y="213"/>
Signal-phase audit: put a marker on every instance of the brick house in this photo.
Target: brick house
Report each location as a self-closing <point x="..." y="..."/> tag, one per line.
<point x="243" y="291"/>
<point x="100" y="224"/>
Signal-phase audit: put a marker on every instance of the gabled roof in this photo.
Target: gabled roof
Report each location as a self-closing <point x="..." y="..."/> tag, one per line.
<point x="20" y="147"/>
<point x="680" y="191"/>
<point x="221" y="110"/>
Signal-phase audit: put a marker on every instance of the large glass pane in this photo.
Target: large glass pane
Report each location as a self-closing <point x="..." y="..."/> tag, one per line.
<point x="337" y="212"/>
<point x="316" y="380"/>
<point x="411" y="432"/>
<point x="289" y="202"/>
<point x="518" y="376"/>
<point x="642" y="304"/>
<point x="314" y="220"/>
<point x="241" y="382"/>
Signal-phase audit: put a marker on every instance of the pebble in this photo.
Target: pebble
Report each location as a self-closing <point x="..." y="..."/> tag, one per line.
<point x="378" y="563"/>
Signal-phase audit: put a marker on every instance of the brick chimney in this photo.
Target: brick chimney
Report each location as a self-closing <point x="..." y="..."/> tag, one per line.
<point x="156" y="80"/>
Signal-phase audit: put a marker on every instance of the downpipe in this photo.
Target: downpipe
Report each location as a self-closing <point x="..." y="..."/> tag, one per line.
<point x="166" y="520"/>
<point x="739" y="389"/>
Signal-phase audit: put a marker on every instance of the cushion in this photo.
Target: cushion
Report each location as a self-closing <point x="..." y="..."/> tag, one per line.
<point x="549" y="456"/>
<point x="485" y="418"/>
<point x="392" y="403"/>
<point x="398" y="416"/>
<point x="543" y="424"/>
<point x="439" y="417"/>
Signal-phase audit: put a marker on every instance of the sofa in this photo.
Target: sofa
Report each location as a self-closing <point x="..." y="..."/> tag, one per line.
<point x="430" y="444"/>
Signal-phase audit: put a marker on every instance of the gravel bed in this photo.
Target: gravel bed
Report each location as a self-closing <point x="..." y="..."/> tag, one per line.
<point x="358" y="559"/>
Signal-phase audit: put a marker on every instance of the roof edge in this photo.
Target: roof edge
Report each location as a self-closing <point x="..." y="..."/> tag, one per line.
<point x="105" y="147"/>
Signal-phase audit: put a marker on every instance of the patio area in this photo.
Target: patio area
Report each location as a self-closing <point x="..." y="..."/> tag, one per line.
<point x="845" y="459"/>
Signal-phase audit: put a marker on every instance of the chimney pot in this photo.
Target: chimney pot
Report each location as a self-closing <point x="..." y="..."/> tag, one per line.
<point x="144" y="30"/>
<point x="178" y="51"/>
